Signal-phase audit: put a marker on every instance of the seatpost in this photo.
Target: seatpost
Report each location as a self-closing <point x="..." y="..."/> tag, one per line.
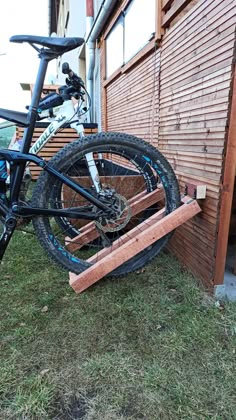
<point x="32" y="114"/>
<point x="45" y="56"/>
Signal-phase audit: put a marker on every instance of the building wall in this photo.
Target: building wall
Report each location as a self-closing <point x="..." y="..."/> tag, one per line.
<point x="177" y="97"/>
<point x="71" y="25"/>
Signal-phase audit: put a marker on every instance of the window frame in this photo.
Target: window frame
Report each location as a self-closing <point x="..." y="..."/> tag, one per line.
<point x="143" y="50"/>
<point x="118" y="21"/>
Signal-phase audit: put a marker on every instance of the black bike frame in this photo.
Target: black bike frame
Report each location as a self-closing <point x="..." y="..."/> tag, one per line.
<point x="9" y="208"/>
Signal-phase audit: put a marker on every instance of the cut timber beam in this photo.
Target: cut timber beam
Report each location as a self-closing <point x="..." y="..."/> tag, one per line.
<point x="137" y="204"/>
<point x="137" y="242"/>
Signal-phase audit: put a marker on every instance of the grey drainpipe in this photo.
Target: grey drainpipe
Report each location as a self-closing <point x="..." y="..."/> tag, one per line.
<point x="93" y="30"/>
<point x="90" y="55"/>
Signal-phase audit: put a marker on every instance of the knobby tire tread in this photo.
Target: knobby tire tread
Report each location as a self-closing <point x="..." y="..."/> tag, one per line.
<point x="122" y="140"/>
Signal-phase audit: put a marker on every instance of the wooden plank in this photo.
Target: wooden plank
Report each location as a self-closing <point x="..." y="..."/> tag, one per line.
<point x="204" y="167"/>
<point x="143" y="89"/>
<point x="217" y="20"/>
<point x="158" y="28"/>
<point x="177" y="7"/>
<point x="202" y="272"/>
<point x="144" y="67"/>
<point x="165" y="147"/>
<point x="206" y="104"/>
<point x="193" y="23"/>
<point x="219" y="90"/>
<point x="137" y="205"/>
<point x="198" y="234"/>
<point x="132" y="247"/>
<point x="186" y="169"/>
<point x="203" y="155"/>
<point x="205" y="180"/>
<point x="196" y="75"/>
<point x="127" y="237"/>
<point x="227" y="192"/>
<point x="166" y="4"/>
<point x="200" y="60"/>
<point x="192" y="139"/>
<point x="189" y="242"/>
<point x="186" y="119"/>
<point x="201" y="160"/>
<point x="193" y="46"/>
<point x="212" y="79"/>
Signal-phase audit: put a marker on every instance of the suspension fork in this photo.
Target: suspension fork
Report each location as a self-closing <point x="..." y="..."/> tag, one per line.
<point x="90" y="160"/>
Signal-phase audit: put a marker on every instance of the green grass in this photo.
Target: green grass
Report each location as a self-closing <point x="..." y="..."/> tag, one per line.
<point x="151" y="345"/>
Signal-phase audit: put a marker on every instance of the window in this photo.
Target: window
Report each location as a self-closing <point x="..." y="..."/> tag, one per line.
<point x="133" y="30"/>
<point x="139" y="26"/>
<point x="114" y="48"/>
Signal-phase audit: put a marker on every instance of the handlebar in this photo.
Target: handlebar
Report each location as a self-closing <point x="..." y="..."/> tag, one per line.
<point x="74" y="88"/>
<point x="73" y="79"/>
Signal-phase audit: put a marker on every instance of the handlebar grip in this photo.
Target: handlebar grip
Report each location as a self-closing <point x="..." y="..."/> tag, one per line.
<point x="75" y="80"/>
<point x="66" y="68"/>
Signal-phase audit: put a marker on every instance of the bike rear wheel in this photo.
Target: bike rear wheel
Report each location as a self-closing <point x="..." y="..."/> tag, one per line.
<point x="128" y="169"/>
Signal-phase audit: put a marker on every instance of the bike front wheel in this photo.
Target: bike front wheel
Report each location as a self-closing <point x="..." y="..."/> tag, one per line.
<point x="128" y="170"/>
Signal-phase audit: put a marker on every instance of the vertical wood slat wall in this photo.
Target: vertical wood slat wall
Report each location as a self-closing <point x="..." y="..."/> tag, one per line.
<point x="177" y="97"/>
<point x="66" y="136"/>
<point x="196" y="70"/>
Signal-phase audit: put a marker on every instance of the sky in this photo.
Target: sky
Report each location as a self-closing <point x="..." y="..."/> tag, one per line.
<point x="19" y="62"/>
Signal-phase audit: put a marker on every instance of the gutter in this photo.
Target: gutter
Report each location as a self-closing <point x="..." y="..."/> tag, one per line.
<point x="105" y="10"/>
<point x="93" y="30"/>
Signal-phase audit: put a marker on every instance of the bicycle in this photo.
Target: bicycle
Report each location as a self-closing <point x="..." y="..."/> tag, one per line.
<point x="94" y="180"/>
<point x="62" y="113"/>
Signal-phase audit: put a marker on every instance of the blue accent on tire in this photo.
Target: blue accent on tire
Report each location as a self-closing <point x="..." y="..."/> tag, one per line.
<point x="63" y="251"/>
<point x="157" y="169"/>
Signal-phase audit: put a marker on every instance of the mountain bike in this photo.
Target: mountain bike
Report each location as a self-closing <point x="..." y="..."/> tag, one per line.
<point x="94" y="181"/>
<point x="60" y="112"/>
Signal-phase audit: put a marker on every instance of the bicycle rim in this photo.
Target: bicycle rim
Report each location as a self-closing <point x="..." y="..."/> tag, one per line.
<point x="125" y="175"/>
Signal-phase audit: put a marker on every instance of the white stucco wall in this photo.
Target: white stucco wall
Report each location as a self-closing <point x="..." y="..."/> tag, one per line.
<point x="76" y="28"/>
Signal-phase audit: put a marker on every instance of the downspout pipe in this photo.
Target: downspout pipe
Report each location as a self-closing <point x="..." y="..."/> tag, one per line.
<point x="90" y="56"/>
<point x="93" y="30"/>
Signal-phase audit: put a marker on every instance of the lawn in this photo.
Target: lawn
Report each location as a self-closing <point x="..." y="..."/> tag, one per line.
<point x="151" y="345"/>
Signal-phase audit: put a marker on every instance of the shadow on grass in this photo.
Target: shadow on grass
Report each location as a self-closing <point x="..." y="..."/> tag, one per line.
<point x="147" y="346"/>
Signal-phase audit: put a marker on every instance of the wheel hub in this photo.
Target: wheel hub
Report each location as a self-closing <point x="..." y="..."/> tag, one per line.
<point x="120" y="217"/>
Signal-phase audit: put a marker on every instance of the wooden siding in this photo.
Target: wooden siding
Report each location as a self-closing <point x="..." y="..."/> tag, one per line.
<point x="67" y="135"/>
<point x="196" y="70"/>
<point x="177" y="97"/>
<point x="133" y="100"/>
<point x="173" y="10"/>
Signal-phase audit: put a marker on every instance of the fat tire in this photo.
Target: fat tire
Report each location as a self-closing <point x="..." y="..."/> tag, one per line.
<point x="120" y="140"/>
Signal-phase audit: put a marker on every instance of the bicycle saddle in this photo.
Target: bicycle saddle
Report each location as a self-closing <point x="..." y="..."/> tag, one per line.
<point x="55" y="44"/>
<point x="21" y="118"/>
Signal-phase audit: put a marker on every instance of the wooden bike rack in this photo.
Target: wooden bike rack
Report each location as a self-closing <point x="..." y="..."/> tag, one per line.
<point x="138" y="238"/>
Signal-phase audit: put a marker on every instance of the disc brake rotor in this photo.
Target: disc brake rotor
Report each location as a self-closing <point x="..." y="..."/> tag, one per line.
<point x="119" y="220"/>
